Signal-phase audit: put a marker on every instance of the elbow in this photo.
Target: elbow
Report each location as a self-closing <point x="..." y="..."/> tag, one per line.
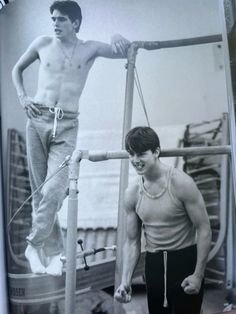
<point x="208" y="232"/>
<point x="205" y="234"/>
<point x="208" y="237"/>
<point x="14" y="73"/>
<point x="134" y="245"/>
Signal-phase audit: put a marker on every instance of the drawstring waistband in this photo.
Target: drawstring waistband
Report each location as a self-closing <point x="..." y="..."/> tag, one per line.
<point x="58" y="115"/>
<point x="165" y="303"/>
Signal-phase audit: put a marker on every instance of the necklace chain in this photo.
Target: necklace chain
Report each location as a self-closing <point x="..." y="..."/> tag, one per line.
<point x="153" y="196"/>
<point x="69" y="57"/>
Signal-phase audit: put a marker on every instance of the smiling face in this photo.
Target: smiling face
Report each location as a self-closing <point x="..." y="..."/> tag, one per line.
<point x="143" y="162"/>
<point x="63" y="26"/>
<point x="143" y="145"/>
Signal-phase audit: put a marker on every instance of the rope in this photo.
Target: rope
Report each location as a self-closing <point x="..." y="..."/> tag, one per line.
<point x="62" y="166"/>
<point x="139" y="89"/>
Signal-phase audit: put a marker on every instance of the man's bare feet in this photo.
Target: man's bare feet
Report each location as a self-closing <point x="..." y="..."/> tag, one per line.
<point x="33" y="258"/>
<point x="55" y="266"/>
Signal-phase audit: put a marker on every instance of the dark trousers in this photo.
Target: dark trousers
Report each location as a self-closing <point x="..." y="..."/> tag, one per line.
<point x="180" y="264"/>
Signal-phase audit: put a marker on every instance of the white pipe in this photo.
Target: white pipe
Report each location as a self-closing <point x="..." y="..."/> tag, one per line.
<point x="71" y="242"/>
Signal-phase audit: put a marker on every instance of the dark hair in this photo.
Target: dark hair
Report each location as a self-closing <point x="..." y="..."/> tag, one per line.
<point x="69" y="8"/>
<point x="141" y="139"/>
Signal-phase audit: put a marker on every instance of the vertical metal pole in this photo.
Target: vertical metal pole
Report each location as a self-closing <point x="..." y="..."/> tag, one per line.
<point x="71" y="238"/>
<point x="124" y="169"/>
<point x="232" y="127"/>
<point x="3" y="280"/>
<point x="229" y="239"/>
<point x="224" y="190"/>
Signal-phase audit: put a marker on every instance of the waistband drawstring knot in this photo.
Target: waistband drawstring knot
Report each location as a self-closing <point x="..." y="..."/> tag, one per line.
<point x="58" y="115"/>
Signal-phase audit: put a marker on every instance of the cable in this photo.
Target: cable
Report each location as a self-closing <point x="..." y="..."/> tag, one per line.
<point x="62" y="166"/>
<point x="139" y="89"/>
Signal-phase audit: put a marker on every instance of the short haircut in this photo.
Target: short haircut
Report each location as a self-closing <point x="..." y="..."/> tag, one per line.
<point x="141" y="139"/>
<point x="69" y="8"/>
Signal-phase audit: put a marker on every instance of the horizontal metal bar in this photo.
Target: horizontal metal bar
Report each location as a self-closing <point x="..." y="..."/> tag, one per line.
<point x="153" y="45"/>
<point x="197" y="151"/>
<point x="186" y="151"/>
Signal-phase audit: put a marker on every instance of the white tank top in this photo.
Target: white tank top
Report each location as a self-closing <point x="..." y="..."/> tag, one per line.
<point x="166" y="223"/>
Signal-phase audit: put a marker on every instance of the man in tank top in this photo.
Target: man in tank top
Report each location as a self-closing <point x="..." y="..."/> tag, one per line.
<point x="51" y="131"/>
<point x="168" y="206"/>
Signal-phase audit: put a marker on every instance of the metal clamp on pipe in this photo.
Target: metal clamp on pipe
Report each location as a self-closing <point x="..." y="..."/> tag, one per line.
<point x="80" y="242"/>
<point x="85" y="253"/>
<point x="75" y="159"/>
<point x="89" y="252"/>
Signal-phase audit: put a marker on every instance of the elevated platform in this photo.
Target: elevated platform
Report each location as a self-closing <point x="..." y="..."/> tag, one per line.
<point x="29" y="289"/>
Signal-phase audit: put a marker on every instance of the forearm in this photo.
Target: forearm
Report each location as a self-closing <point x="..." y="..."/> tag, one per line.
<point x="131" y="254"/>
<point x="203" y="248"/>
<point x="118" y="48"/>
<point x="17" y="78"/>
<point x="110" y="53"/>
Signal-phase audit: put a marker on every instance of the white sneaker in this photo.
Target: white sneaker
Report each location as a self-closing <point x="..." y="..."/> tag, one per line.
<point x="33" y="258"/>
<point x="55" y="266"/>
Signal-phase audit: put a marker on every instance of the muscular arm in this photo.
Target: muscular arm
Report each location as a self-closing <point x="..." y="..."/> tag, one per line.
<point x="117" y="49"/>
<point x="192" y="199"/>
<point x="131" y="249"/>
<point x="132" y="246"/>
<point x="30" y="55"/>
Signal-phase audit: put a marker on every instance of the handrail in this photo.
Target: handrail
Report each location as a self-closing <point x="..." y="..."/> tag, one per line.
<point x="101" y="155"/>
<point x="153" y="45"/>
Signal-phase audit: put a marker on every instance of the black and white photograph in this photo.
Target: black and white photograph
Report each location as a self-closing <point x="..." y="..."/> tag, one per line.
<point x="118" y="156"/>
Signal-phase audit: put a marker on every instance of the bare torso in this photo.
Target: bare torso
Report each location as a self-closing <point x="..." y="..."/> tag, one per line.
<point x="62" y="73"/>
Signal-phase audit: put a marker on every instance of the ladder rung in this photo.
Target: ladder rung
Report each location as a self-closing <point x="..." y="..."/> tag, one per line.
<point x="215" y="271"/>
<point x="196" y="170"/>
<point x="213" y="281"/>
<point x="213" y="204"/>
<point x="213" y="217"/>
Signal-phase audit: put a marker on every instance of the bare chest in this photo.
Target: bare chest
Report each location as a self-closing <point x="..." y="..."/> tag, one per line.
<point x="75" y="61"/>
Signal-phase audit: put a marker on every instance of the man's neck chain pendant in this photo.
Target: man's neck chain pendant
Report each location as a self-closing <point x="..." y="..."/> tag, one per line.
<point x="68" y="58"/>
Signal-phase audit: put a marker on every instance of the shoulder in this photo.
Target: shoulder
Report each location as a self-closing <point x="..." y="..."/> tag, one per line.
<point x="179" y="177"/>
<point x="132" y="195"/>
<point x="40" y="42"/>
<point x="183" y="185"/>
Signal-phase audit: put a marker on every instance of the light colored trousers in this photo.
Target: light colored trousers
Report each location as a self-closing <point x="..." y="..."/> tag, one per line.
<point x="45" y="153"/>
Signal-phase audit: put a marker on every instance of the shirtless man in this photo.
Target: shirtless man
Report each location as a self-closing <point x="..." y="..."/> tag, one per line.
<point x="52" y="126"/>
<point x="166" y="203"/>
